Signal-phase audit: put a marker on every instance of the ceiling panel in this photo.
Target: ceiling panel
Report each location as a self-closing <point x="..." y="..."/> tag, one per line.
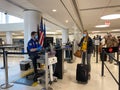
<point x="90" y="12"/>
<point x="84" y="4"/>
<point x="46" y="6"/>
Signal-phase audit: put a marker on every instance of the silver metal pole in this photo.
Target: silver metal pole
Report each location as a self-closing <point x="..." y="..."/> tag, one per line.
<point x="46" y="74"/>
<point x="6" y="85"/>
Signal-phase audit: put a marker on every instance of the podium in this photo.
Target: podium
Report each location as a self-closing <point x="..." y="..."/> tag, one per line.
<point x="59" y="69"/>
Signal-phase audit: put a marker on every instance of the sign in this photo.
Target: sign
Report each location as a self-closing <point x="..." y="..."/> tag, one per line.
<point x="107" y="22"/>
<point x="111" y="49"/>
<point x="97" y="42"/>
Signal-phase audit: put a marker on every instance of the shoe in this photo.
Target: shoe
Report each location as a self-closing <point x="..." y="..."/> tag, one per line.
<point x="35" y="77"/>
<point x="89" y="76"/>
<point x="111" y="62"/>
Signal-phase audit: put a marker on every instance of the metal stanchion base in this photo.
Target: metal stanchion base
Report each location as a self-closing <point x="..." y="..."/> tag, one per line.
<point x="49" y="88"/>
<point x="5" y="86"/>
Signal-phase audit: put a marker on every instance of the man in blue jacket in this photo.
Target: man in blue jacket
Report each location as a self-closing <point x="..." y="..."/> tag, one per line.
<point x="33" y="47"/>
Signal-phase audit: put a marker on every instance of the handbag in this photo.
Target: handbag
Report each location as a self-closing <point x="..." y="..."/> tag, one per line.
<point x="78" y="53"/>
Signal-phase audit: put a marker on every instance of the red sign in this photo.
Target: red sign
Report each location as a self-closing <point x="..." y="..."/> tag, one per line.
<point x="110" y="50"/>
<point x="107" y="22"/>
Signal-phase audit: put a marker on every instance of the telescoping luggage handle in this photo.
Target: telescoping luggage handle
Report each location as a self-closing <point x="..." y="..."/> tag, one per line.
<point x="85" y="62"/>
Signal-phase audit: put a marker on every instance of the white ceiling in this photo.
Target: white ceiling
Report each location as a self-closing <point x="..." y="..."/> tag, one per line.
<point x="88" y="15"/>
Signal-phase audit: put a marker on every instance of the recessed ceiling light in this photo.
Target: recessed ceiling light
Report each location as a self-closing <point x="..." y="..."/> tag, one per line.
<point x="54" y="10"/>
<point x="101" y="26"/>
<point x="66" y="21"/>
<point x="111" y="16"/>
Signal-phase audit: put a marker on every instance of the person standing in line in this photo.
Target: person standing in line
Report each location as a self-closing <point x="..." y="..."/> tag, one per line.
<point x="86" y="45"/>
<point x="111" y="41"/>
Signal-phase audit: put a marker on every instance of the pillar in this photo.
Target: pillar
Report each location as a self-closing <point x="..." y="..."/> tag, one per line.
<point x="77" y="38"/>
<point x="31" y="20"/>
<point x="65" y="36"/>
<point x="9" y="38"/>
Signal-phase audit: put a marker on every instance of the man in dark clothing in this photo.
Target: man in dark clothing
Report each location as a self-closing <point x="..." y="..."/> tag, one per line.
<point x="33" y="48"/>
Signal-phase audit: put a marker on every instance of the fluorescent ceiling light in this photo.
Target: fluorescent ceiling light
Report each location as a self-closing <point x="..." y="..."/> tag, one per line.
<point x="110" y="17"/>
<point x="50" y="32"/>
<point x="54" y="10"/>
<point x="116" y="30"/>
<point x="95" y="31"/>
<point x="101" y="26"/>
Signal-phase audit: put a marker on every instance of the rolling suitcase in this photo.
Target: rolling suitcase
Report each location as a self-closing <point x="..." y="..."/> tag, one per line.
<point x="82" y="73"/>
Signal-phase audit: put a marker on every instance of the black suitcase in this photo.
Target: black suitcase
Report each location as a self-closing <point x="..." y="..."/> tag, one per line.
<point x="82" y="73"/>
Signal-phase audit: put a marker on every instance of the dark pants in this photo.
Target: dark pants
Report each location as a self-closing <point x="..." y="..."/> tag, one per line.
<point x="34" y="61"/>
<point x="86" y="58"/>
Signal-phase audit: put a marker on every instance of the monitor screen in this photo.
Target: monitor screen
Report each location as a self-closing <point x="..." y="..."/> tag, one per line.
<point x="47" y="41"/>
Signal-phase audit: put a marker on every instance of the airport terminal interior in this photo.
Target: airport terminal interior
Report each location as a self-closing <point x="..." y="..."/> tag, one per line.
<point x="62" y="27"/>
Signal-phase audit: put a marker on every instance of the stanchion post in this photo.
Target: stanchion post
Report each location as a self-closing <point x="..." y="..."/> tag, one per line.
<point x="7" y="84"/>
<point x="96" y="53"/>
<point x="46" y="74"/>
<point x="119" y="75"/>
<point x="103" y="57"/>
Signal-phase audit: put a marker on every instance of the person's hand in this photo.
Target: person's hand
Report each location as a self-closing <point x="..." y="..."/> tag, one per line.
<point x="84" y="50"/>
<point x="39" y="48"/>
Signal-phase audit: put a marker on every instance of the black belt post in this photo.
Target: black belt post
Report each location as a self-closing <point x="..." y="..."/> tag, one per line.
<point x="119" y="75"/>
<point x="96" y="53"/>
<point x="7" y="84"/>
<point x="3" y="59"/>
<point x="103" y="57"/>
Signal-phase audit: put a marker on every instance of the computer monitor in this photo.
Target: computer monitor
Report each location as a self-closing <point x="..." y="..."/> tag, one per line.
<point x="47" y="41"/>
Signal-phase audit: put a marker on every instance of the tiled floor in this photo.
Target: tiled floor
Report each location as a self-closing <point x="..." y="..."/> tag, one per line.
<point x="68" y="82"/>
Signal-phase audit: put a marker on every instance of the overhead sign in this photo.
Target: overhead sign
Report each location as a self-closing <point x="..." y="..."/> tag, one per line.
<point x="107" y="22"/>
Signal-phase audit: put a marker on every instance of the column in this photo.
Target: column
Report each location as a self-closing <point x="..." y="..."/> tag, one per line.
<point x="65" y="36"/>
<point x="31" y="20"/>
<point x="6" y="18"/>
<point x="77" y="38"/>
<point x="9" y="38"/>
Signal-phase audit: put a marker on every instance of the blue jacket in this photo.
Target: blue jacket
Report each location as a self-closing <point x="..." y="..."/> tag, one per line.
<point x="32" y="44"/>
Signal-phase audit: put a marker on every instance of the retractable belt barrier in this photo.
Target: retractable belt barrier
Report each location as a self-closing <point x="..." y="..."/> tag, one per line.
<point x="8" y="85"/>
<point x="107" y="51"/>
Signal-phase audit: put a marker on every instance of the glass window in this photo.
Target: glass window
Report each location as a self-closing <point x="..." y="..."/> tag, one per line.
<point x="2" y="18"/>
<point x="9" y="19"/>
<point x="13" y="19"/>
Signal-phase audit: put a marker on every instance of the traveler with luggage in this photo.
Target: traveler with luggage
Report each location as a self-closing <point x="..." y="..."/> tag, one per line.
<point x="86" y="45"/>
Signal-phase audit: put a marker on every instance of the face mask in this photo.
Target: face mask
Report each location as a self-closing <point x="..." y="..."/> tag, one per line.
<point x="84" y="35"/>
<point x="36" y="37"/>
